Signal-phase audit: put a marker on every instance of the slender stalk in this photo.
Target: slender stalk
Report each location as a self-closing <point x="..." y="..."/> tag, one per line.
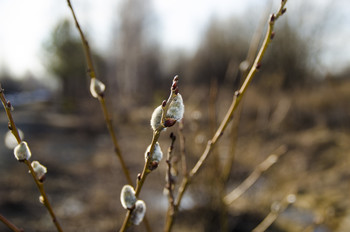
<point x="276" y="209"/>
<point x="235" y="102"/>
<point x="114" y="140"/>
<point x="182" y="149"/>
<point x="253" y="177"/>
<point x="170" y="178"/>
<point x="10" y="225"/>
<point x="92" y="74"/>
<point x="46" y="201"/>
<point x="14" y="130"/>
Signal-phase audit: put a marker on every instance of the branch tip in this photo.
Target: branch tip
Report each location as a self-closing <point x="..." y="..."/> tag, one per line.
<point x="164" y="103"/>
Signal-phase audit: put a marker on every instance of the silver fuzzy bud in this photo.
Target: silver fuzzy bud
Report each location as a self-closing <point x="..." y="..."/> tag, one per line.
<point x="127" y="197"/>
<point x="138" y="213"/>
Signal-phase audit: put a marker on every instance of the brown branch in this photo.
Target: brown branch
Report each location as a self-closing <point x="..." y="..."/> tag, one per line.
<point x="12" y="126"/>
<point x="156" y="133"/>
<point x="10" y="225"/>
<point x="235" y="102"/>
<point x="170" y="179"/>
<point x="276" y="209"/>
<point x="253" y="177"/>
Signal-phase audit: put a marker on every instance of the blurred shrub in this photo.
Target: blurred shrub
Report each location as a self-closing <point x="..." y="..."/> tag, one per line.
<point x="286" y="63"/>
<point x="65" y="60"/>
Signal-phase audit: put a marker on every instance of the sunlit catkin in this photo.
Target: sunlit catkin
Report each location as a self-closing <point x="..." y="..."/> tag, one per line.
<point x="156" y="117"/>
<point x="127" y="197"/>
<point x="174" y="113"/>
<point x="176" y="108"/>
<point x="40" y="170"/>
<point x="157" y="154"/>
<point x="22" y="151"/>
<point x="138" y="212"/>
<point x="97" y="88"/>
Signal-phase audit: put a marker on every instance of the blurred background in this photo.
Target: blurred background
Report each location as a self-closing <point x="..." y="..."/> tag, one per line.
<point x="299" y="98"/>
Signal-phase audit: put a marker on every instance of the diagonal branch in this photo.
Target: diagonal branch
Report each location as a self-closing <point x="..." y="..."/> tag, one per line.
<point x="229" y="115"/>
<point x="13" y="128"/>
<point x="10" y="225"/>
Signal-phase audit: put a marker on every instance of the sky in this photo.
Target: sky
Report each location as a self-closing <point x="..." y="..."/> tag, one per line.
<point x="25" y="25"/>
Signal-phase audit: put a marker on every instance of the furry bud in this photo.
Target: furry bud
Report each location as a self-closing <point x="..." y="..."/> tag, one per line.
<point x="10" y="139"/>
<point x="138" y="212"/>
<point x="157" y="154"/>
<point x="156" y="118"/>
<point x="97" y="88"/>
<point x="40" y="170"/>
<point x="22" y="151"/>
<point x="176" y="108"/>
<point x="127" y="197"/>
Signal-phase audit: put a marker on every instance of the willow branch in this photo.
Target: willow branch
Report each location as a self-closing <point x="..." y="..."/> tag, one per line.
<point x="156" y="133"/>
<point x="235" y="102"/>
<point x="12" y="126"/>
<point x="10" y="225"/>
<point x="253" y="177"/>
<point x="276" y="209"/>
<point x="92" y="74"/>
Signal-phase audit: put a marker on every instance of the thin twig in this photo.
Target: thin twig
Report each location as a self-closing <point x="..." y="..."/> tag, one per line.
<point x="235" y="102"/>
<point x="10" y="225"/>
<point x="253" y="177"/>
<point x="170" y="179"/>
<point x="92" y="74"/>
<point x="182" y="148"/>
<point x="276" y="209"/>
<point x="14" y="130"/>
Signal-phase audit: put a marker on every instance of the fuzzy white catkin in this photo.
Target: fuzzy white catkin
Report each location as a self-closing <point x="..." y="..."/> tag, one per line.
<point x="97" y="88"/>
<point x="157" y="153"/>
<point x="156" y="117"/>
<point x="22" y="151"/>
<point x="175" y="111"/>
<point x="10" y="140"/>
<point x="39" y="169"/>
<point x="138" y="213"/>
<point x="176" y="108"/>
<point x="127" y="197"/>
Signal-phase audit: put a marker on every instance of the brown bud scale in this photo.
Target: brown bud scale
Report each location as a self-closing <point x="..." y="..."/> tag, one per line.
<point x="169" y="122"/>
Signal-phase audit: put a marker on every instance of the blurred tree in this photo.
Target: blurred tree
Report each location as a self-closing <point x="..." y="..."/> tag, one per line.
<point x="137" y="68"/>
<point x="65" y="60"/>
<point x="223" y="43"/>
<point x="286" y="64"/>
